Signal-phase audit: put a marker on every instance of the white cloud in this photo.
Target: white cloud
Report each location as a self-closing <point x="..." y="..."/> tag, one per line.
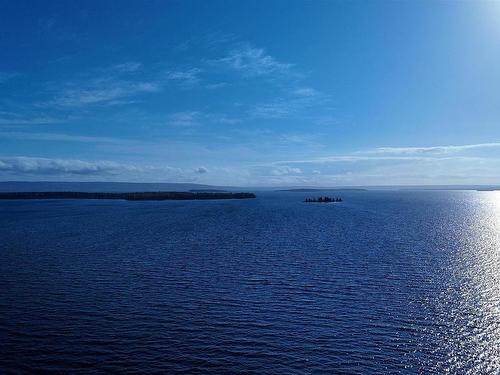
<point x="44" y="166"/>
<point x="210" y="41"/>
<point x="253" y="62"/>
<point x="187" y="77"/>
<point x="286" y="170"/>
<point x="305" y="91"/>
<point x="184" y="119"/>
<point x="214" y="40"/>
<point x="351" y="159"/>
<point x="102" y="92"/>
<point x="222" y="119"/>
<point x="344" y="170"/>
<point x="5" y="76"/>
<point x="407" y="166"/>
<point x="201" y="170"/>
<point x="20" y="120"/>
<point x="290" y="104"/>
<point x="431" y="149"/>
<point x="297" y="139"/>
<point x="400" y="154"/>
<point x="34" y="167"/>
<point x="274" y="110"/>
<point x="213" y="86"/>
<point x="61" y="137"/>
<point x="127" y="67"/>
<point x="195" y="118"/>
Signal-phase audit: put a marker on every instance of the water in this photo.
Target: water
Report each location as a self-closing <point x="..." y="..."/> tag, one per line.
<point x="385" y="282"/>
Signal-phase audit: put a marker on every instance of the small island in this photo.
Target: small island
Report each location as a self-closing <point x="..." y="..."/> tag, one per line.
<point x="323" y="200"/>
<point x="141" y="196"/>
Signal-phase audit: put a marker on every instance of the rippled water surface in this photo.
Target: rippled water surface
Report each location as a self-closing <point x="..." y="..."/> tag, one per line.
<point x="384" y="282"/>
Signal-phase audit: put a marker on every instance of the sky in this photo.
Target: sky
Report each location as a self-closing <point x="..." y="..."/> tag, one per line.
<point x="251" y="93"/>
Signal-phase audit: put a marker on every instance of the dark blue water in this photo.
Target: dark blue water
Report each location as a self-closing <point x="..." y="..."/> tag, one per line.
<point x="384" y="282"/>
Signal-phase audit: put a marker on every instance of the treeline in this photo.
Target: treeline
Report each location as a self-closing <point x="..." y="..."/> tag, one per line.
<point x="142" y="196"/>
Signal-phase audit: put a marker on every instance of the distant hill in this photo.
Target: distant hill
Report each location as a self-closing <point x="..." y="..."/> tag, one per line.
<point x="208" y="191"/>
<point x="452" y="187"/>
<point x="394" y="187"/>
<point x="309" y="190"/>
<point x="128" y="187"/>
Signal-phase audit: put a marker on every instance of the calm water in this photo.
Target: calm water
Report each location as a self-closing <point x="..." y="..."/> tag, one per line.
<point x="385" y="282"/>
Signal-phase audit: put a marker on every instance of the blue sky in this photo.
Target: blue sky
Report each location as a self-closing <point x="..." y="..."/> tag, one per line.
<point x="251" y="93"/>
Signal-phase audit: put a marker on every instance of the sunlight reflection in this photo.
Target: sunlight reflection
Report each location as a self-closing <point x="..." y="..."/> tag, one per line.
<point x="475" y="339"/>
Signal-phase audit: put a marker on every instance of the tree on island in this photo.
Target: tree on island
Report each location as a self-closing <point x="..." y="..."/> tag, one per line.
<point x="323" y="200"/>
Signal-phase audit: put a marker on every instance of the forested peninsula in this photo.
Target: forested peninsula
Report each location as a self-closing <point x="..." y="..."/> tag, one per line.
<point x="140" y="196"/>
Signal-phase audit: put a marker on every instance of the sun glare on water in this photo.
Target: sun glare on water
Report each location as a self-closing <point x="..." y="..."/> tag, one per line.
<point x="474" y="343"/>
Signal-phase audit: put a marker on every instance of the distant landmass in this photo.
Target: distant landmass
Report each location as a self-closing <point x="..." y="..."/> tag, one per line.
<point x="138" y="196"/>
<point x="309" y="190"/>
<point x="129" y="187"/>
<point x="208" y="191"/>
<point x="452" y="187"/>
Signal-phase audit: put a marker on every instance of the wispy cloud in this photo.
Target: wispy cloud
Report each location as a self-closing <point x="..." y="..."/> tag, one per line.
<point x="399" y="165"/>
<point x="5" y="76"/>
<point x="44" y="166"/>
<point x="22" y="167"/>
<point x="380" y="170"/>
<point x="352" y="158"/>
<point x="196" y="118"/>
<point x="210" y="41"/>
<point x="184" y="119"/>
<point x="185" y="77"/>
<point x="102" y="92"/>
<point x="278" y="176"/>
<point x="286" y="170"/>
<point x="274" y="110"/>
<point x="19" y="120"/>
<point x="218" y="85"/>
<point x="388" y="155"/>
<point x="201" y="170"/>
<point x="220" y="118"/>
<point x="286" y="106"/>
<point x="253" y="62"/>
<point x="106" y="86"/>
<point x="61" y="137"/>
<point x="431" y="149"/>
<point x="127" y="67"/>
<point x="310" y="141"/>
<point x="216" y="39"/>
<point x="305" y="91"/>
